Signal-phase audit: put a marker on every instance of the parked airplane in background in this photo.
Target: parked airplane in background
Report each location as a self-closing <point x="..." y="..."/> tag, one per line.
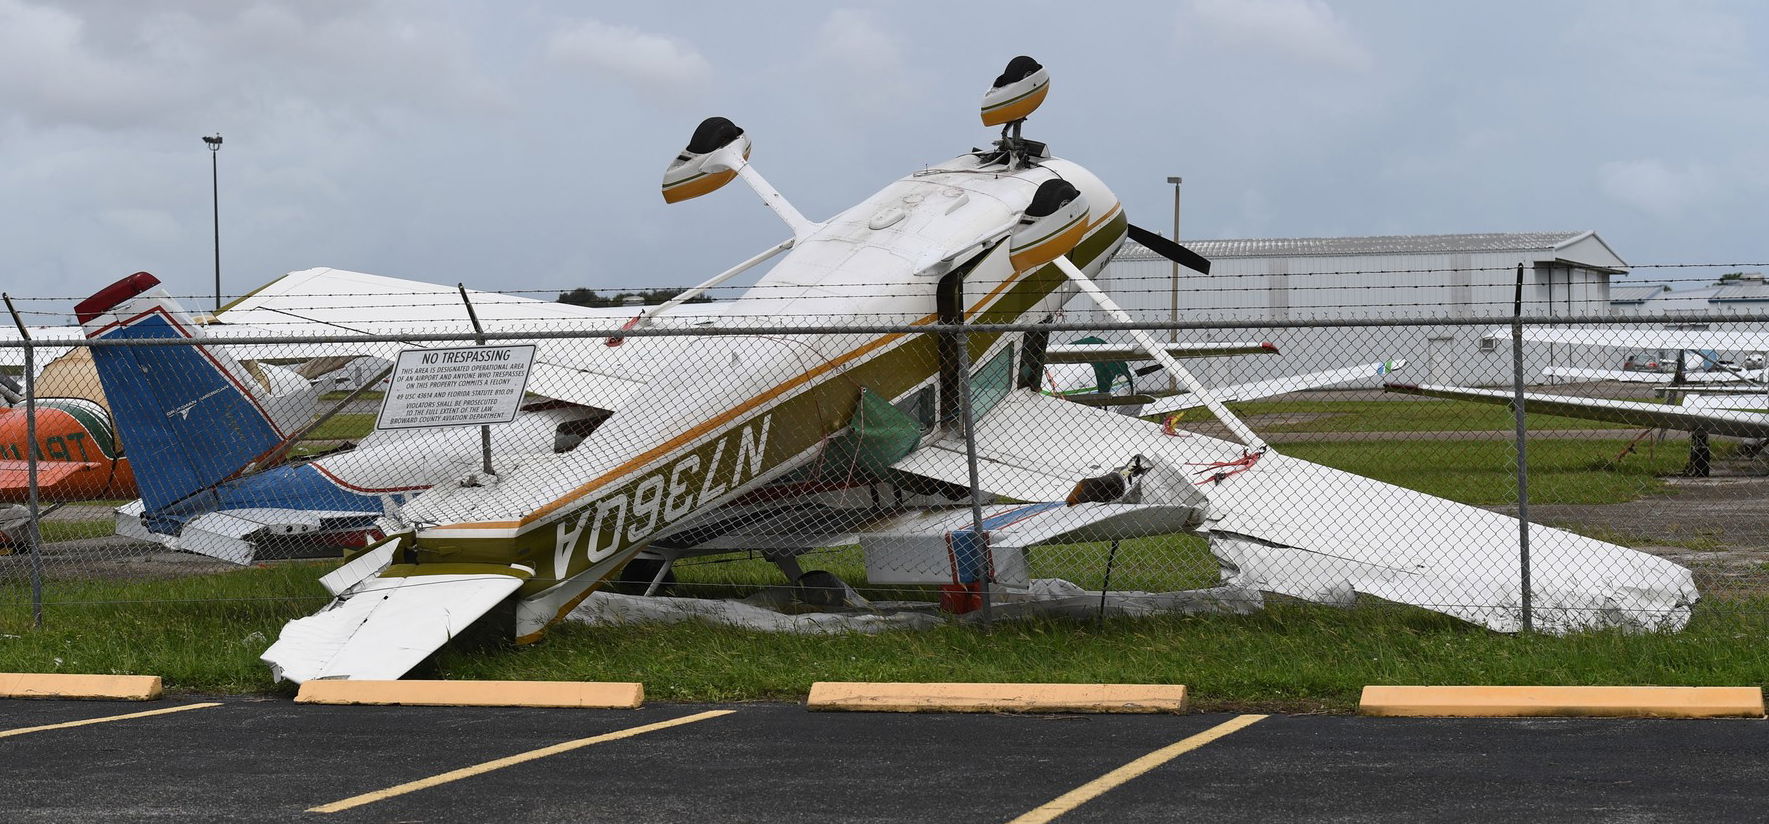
<point x="1068" y="374"/>
<point x="1726" y="400"/>
<point x="714" y="441"/>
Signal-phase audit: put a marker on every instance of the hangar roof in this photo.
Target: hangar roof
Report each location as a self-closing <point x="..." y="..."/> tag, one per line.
<point x="1580" y="248"/>
<point x="1636" y="293"/>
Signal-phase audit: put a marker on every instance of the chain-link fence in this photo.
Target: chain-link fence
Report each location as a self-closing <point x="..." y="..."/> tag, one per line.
<point x="883" y="468"/>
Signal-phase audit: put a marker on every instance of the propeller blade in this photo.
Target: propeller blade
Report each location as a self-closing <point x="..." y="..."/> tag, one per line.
<point x="1170" y="250"/>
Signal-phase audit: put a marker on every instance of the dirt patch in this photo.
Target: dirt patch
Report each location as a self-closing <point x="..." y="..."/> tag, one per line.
<point x="1718" y="527"/>
<point x="110" y="558"/>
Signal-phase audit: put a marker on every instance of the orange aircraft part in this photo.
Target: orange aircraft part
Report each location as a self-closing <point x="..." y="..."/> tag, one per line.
<point x="79" y="456"/>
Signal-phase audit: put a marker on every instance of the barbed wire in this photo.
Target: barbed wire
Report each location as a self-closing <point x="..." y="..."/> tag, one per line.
<point x="1110" y="279"/>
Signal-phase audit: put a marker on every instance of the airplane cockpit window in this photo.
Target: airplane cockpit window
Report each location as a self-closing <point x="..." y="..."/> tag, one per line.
<point x="567" y="435"/>
<point x="991" y="382"/>
<point x="920" y="406"/>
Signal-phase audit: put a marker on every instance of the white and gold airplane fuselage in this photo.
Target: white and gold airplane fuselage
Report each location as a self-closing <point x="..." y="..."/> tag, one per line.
<point x="724" y="414"/>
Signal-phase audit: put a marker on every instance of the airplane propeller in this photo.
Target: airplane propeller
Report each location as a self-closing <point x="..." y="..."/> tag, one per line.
<point x="1170" y="250"/>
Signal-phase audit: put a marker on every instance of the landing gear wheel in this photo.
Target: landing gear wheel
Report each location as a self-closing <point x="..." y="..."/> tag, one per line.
<point x="637" y="575"/>
<point x="821" y="588"/>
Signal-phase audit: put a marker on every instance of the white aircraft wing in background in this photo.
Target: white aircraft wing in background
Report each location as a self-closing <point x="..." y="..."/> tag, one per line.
<point x="1743" y="423"/>
<point x="325" y="301"/>
<point x="1097" y="352"/>
<point x="1277" y="386"/>
<point x="1704" y="378"/>
<point x="1715" y="339"/>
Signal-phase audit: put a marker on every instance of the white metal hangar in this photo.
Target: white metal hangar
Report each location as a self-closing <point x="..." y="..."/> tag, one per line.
<point x="1392" y="277"/>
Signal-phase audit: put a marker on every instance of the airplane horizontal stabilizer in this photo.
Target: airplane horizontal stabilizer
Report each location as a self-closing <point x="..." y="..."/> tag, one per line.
<point x="1737" y="423"/>
<point x="386" y="625"/>
<point x="239" y="535"/>
<point x="1288" y="526"/>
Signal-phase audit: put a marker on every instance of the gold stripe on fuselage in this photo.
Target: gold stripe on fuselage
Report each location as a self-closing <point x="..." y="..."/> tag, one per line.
<point x="534" y="518"/>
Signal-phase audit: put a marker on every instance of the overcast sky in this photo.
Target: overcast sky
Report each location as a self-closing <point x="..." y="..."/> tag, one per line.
<point x="520" y="145"/>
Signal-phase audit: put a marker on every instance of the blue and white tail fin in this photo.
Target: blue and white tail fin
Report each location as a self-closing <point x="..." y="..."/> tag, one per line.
<point x="189" y="416"/>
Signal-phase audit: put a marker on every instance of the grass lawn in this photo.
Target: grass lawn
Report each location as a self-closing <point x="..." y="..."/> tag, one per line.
<point x="1484" y="472"/>
<point x="344" y="426"/>
<point x="205" y="634"/>
<point x="1408" y="415"/>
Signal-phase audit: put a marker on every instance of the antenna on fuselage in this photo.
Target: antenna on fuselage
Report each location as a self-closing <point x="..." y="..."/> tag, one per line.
<point x="718" y="152"/>
<point x="1017" y="92"/>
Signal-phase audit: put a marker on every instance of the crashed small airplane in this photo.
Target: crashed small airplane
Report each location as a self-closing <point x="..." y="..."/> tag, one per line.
<point x="711" y="442"/>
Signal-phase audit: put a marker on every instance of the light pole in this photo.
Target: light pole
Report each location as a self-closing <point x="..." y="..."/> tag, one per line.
<point x="214" y="144"/>
<point x="1173" y="294"/>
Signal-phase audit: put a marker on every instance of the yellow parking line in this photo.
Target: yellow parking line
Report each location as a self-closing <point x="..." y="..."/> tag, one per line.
<point x="498" y="764"/>
<point x="1097" y="787"/>
<point x="65" y="724"/>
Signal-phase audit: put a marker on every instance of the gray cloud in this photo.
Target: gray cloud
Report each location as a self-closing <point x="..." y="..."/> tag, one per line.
<point x="651" y="63"/>
<point x="519" y="146"/>
<point x="1305" y="31"/>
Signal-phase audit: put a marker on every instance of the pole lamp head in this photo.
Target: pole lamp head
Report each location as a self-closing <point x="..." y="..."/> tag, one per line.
<point x="214" y="142"/>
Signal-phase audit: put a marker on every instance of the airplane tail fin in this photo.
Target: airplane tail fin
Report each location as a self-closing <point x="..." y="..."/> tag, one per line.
<point x="190" y="416"/>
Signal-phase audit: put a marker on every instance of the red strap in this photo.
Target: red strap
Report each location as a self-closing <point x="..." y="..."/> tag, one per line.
<point x="1227" y="469"/>
<point x="618" y="340"/>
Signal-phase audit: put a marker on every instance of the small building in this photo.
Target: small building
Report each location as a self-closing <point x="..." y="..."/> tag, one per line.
<point x="1394" y="277"/>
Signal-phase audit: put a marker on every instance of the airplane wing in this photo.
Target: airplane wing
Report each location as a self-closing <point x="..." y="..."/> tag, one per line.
<point x="1620" y="376"/>
<point x="1278" y="386"/>
<point x="1285" y="525"/>
<point x="333" y="301"/>
<point x="1734" y="390"/>
<point x="1715" y="339"/>
<point x="1098" y="352"/>
<point x="46" y="336"/>
<point x="1578" y="374"/>
<point x="1736" y="422"/>
<point x="914" y="546"/>
<point x="386" y="624"/>
<point x="52" y="477"/>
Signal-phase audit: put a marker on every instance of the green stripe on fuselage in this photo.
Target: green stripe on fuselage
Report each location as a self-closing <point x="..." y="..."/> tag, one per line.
<point x="96" y="424"/>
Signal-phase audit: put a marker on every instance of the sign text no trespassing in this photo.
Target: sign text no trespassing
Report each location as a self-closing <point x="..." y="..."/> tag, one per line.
<point x="469" y="386"/>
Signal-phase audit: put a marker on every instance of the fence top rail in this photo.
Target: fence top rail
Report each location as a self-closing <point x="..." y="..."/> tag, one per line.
<point x="890" y="328"/>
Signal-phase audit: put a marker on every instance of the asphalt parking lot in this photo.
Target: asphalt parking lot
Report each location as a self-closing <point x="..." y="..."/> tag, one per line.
<point x="271" y="760"/>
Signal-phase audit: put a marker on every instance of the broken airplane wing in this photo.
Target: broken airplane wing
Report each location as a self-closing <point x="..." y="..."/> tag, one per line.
<point x="1287" y="526"/>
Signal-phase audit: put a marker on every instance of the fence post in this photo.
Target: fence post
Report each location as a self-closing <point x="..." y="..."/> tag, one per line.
<point x="1522" y="450"/>
<point x="967" y="420"/>
<point x="33" y="538"/>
